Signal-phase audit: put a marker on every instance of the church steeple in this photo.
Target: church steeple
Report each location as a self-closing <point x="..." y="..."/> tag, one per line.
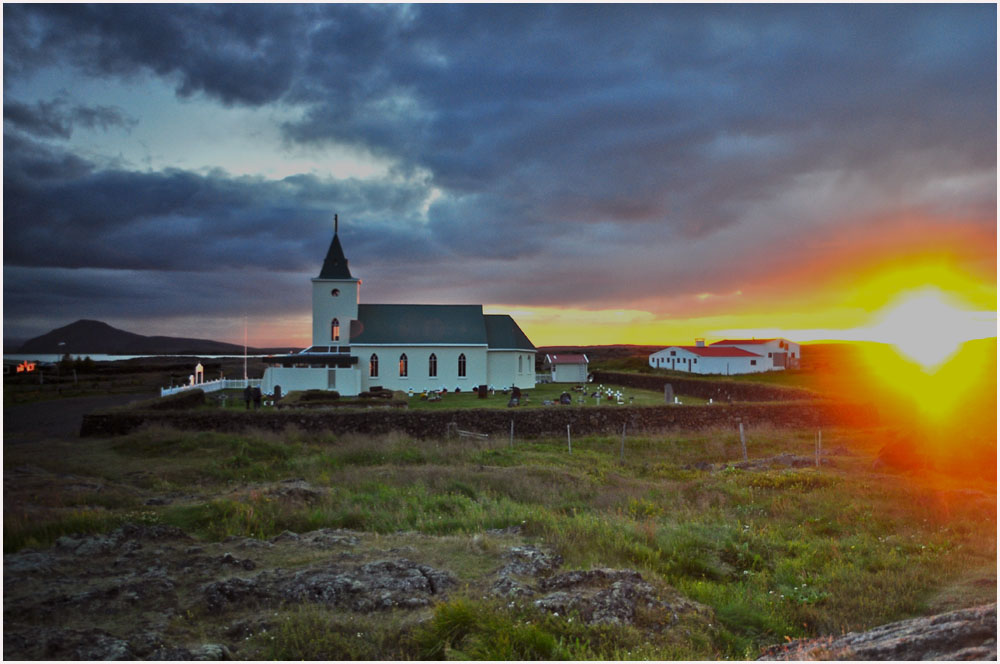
<point x="335" y="264"/>
<point x="334" y="297"/>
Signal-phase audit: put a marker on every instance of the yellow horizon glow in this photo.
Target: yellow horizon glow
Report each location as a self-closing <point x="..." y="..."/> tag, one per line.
<point x="852" y="305"/>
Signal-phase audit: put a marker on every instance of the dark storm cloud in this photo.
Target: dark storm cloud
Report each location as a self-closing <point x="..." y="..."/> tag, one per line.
<point x="243" y="54"/>
<point x="584" y="133"/>
<point x="587" y="112"/>
<point x="60" y="211"/>
<point x="145" y="294"/>
<point x="56" y="118"/>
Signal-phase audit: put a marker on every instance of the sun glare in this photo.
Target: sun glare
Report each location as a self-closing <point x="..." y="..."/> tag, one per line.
<point x="926" y="326"/>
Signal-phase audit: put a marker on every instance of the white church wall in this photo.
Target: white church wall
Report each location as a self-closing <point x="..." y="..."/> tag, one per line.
<point x="511" y="367"/>
<point x="418" y="375"/>
<point x="294" y="379"/>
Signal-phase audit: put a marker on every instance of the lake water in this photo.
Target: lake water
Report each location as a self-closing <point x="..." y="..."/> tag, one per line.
<point x="55" y="357"/>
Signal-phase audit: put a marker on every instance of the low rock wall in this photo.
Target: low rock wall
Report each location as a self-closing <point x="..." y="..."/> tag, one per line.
<point x="495" y="422"/>
<point x="717" y="390"/>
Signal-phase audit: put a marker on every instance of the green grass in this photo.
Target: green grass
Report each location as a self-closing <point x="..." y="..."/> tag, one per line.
<point x="774" y="553"/>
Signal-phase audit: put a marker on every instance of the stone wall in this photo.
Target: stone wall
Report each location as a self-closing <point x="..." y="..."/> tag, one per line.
<point x="550" y="421"/>
<point x="717" y="390"/>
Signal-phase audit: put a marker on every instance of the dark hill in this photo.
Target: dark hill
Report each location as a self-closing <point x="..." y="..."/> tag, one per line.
<point x="94" y="337"/>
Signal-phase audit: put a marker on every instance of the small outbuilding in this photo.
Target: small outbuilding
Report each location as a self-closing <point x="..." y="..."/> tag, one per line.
<point x="567" y="367"/>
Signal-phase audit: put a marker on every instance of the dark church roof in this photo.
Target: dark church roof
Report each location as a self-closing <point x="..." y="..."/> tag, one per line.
<point x="421" y="324"/>
<point x="433" y="324"/>
<point x="335" y="264"/>
<point x="502" y="331"/>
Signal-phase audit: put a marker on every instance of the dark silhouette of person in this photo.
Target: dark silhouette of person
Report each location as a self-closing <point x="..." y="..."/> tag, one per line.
<point x="247" y="395"/>
<point x="256" y="398"/>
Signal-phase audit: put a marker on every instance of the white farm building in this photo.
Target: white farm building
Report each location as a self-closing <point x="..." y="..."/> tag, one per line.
<point x="567" y="367"/>
<point x="729" y="356"/>
<point x="421" y="347"/>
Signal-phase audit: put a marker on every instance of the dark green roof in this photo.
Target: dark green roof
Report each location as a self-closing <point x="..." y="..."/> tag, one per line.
<point x="502" y="331"/>
<point x="335" y="264"/>
<point x="421" y="324"/>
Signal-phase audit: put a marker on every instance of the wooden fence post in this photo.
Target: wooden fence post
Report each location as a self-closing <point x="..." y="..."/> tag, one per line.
<point x="743" y="442"/>
<point x="569" y="440"/>
<point x="512" y="434"/>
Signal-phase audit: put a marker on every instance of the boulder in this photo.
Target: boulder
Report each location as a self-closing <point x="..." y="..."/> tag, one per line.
<point x="966" y="634"/>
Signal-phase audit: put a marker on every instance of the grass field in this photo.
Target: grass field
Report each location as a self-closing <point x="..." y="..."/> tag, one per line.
<point x="774" y="553"/>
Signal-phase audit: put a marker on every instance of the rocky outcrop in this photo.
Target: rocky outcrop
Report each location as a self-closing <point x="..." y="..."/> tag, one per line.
<point x="379" y="585"/>
<point x="967" y="634"/>
<point x="130" y="594"/>
<point x="597" y="596"/>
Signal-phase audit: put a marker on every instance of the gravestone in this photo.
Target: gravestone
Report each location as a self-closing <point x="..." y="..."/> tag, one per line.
<point x="668" y="393"/>
<point x="565" y="399"/>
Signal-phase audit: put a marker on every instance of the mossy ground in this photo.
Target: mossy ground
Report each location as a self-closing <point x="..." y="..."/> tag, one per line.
<point x="775" y="553"/>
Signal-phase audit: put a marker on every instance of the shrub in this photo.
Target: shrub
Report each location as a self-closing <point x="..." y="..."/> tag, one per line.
<point x="310" y="396"/>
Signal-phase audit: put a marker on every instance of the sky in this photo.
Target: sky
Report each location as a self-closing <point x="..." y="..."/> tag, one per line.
<point x="606" y="174"/>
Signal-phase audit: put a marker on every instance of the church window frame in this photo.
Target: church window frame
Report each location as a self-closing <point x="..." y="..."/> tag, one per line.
<point x="461" y="365"/>
<point x="335" y="329"/>
<point x="404" y="366"/>
<point x="373" y="366"/>
<point x="520" y="364"/>
<point x="432" y="365"/>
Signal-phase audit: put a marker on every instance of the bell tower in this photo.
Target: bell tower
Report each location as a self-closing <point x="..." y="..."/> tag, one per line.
<point x="334" y="298"/>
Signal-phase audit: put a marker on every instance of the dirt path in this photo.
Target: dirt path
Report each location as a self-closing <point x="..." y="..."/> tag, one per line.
<point x="57" y="418"/>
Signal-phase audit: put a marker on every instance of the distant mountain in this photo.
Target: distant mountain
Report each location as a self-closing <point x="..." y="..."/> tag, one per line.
<point x="96" y="338"/>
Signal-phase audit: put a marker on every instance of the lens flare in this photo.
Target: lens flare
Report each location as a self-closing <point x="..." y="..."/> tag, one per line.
<point x="926" y="326"/>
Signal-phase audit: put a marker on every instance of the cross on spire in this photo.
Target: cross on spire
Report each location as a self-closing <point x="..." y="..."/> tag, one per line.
<point x="335" y="224"/>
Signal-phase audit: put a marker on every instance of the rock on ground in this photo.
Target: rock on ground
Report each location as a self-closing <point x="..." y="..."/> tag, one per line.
<point x="597" y="596"/>
<point x="967" y="634"/>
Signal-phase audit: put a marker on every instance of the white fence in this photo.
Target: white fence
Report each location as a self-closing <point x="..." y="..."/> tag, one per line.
<point x="212" y="386"/>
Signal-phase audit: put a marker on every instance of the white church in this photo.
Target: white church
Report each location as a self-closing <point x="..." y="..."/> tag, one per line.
<point x="421" y="347"/>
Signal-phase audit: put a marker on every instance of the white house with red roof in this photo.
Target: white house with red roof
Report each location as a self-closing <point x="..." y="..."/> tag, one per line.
<point x="567" y="367"/>
<point x="781" y="353"/>
<point x="728" y="357"/>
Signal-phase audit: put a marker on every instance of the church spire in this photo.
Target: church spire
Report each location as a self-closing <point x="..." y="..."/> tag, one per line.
<point x="335" y="264"/>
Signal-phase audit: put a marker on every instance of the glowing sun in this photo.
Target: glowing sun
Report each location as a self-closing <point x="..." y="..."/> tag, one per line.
<point x="926" y="326"/>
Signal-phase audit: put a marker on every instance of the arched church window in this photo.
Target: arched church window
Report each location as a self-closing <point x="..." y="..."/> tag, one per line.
<point x="461" y="365"/>
<point x="373" y="366"/>
<point x="403" y="366"/>
<point x="520" y="364"/>
<point x="335" y="330"/>
<point x="432" y="366"/>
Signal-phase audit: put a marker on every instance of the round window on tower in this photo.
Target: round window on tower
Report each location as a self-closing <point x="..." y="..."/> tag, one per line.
<point x="335" y="292"/>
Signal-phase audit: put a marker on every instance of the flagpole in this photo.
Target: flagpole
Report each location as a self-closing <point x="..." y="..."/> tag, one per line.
<point x="245" y="351"/>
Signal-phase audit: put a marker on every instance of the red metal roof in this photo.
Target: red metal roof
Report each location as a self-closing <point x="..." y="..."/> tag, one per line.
<point x="708" y="351"/>
<point x="742" y="342"/>
<point x="567" y="358"/>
